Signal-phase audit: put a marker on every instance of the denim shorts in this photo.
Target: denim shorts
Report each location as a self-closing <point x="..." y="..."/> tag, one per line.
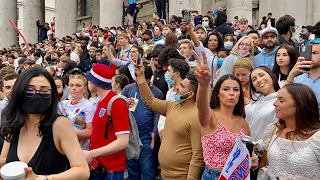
<point x="210" y="174"/>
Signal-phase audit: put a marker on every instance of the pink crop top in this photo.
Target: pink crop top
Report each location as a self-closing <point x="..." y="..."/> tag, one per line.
<point x="218" y="145"/>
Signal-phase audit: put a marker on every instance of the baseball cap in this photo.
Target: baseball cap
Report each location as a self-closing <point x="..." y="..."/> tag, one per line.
<point x="269" y="29"/>
<point x="200" y="27"/>
<point x="147" y="32"/>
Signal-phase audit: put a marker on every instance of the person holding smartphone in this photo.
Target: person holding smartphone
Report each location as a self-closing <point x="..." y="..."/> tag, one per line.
<point x="310" y="69"/>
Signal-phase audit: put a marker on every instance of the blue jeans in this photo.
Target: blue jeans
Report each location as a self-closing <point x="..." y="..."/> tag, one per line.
<point x="210" y="174"/>
<point x="145" y="166"/>
<point x="110" y="176"/>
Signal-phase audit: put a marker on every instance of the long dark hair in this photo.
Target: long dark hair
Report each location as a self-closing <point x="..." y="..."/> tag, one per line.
<point x="307" y="112"/>
<point x="215" y="103"/>
<point x="292" y="55"/>
<point x="274" y="82"/>
<point x="220" y="40"/>
<point x="13" y="118"/>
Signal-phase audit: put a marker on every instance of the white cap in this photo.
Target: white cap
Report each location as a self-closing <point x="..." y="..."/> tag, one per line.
<point x="269" y="29"/>
<point x="13" y="171"/>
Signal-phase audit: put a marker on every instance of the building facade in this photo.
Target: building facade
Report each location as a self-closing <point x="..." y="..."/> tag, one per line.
<point x="71" y="14"/>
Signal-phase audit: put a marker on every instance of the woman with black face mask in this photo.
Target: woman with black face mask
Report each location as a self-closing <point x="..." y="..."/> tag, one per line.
<point x="35" y="134"/>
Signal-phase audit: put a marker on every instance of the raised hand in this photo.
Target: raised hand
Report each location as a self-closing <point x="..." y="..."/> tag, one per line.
<point x="139" y="70"/>
<point x="300" y="65"/>
<point x="202" y="71"/>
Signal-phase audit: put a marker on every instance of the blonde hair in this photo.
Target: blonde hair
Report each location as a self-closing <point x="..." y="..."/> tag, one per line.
<point x="243" y="63"/>
<point x="187" y="41"/>
<point x="235" y="49"/>
<point x="79" y="76"/>
<point x="247" y="64"/>
<point x="125" y="35"/>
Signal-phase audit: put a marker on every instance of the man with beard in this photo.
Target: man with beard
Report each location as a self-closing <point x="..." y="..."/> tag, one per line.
<point x="70" y="52"/>
<point x="84" y="55"/>
<point x="158" y="71"/>
<point x="87" y="64"/>
<point x="270" y="40"/>
<point x="184" y="34"/>
<point x="148" y="44"/>
<point x="310" y="77"/>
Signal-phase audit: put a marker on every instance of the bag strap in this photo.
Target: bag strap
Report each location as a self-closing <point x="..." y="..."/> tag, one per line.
<point x="109" y="108"/>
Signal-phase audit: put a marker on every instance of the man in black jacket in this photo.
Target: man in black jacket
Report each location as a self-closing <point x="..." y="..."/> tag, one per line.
<point x="85" y="54"/>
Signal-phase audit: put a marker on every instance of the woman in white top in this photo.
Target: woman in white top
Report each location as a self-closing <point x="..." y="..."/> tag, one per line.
<point x="261" y="111"/>
<point x="72" y="109"/>
<point x="292" y="146"/>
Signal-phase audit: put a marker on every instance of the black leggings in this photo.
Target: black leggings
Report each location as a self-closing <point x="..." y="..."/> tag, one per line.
<point x="161" y="8"/>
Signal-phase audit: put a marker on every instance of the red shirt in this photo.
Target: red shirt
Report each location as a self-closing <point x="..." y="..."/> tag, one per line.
<point x="52" y="27"/>
<point x="120" y="119"/>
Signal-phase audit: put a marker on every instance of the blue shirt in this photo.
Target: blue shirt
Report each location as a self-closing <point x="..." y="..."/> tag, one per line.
<point x="147" y="120"/>
<point x="265" y="59"/>
<point x="161" y="37"/>
<point x="314" y="84"/>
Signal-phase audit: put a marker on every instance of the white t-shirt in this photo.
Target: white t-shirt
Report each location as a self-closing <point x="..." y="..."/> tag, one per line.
<point x="94" y="101"/>
<point x="260" y="114"/>
<point x="74" y="57"/>
<point x="71" y="111"/>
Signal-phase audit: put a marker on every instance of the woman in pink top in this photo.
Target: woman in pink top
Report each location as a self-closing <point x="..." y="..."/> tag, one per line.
<point x="221" y="118"/>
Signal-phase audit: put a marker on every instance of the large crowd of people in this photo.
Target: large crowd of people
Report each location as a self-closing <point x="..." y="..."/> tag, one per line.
<point x="192" y="87"/>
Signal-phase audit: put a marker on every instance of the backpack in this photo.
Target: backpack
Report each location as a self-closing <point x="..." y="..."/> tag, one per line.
<point x="135" y="146"/>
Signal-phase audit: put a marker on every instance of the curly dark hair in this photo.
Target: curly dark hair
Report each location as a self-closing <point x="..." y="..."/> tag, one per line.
<point x="284" y="23"/>
<point x="180" y="65"/>
<point x="220" y="40"/>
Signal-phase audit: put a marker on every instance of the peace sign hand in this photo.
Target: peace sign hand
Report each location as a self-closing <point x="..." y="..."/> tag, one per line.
<point x="202" y="71"/>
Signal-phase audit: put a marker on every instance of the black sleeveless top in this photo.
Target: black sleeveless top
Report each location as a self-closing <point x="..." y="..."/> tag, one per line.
<point x="46" y="160"/>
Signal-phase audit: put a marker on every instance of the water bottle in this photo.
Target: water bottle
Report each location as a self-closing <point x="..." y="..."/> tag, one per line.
<point x="247" y="140"/>
<point x="80" y="121"/>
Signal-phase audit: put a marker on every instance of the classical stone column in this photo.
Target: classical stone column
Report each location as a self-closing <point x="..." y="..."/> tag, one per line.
<point x="110" y="13"/>
<point x="33" y="10"/>
<point x="310" y="12"/>
<point x="95" y="12"/>
<point x="8" y="36"/>
<point x="316" y="15"/>
<point x="176" y="6"/>
<point x="66" y="17"/>
<point x="240" y="8"/>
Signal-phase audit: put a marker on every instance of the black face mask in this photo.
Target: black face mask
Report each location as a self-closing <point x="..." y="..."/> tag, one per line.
<point x="146" y="39"/>
<point x="36" y="104"/>
<point x="304" y="36"/>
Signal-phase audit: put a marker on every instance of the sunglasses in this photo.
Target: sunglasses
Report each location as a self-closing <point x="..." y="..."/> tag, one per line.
<point x="313" y="41"/>
<point x="44" y="93"/>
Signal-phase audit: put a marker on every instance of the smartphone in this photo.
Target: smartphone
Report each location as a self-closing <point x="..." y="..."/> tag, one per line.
<point x="139" y="61"/>
<point x="186" y="15"/>
<point x="306" y="52"/>
<point x="112" y="39"/>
